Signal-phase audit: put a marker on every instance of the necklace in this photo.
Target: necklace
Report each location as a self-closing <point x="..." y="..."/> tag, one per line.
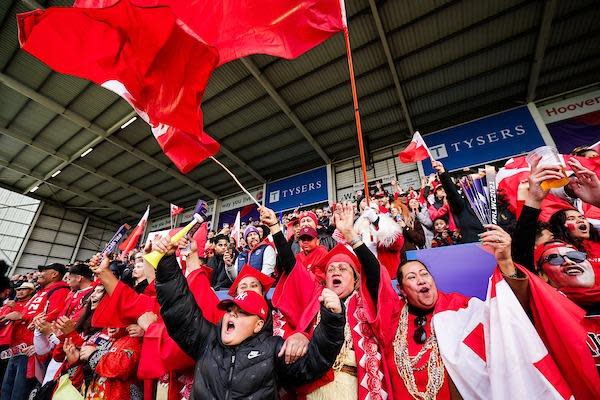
<point x="405" y="364"/>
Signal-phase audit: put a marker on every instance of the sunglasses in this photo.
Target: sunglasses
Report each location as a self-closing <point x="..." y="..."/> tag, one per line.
<point x="420" y="336"/>
<point x="557" y="259"/>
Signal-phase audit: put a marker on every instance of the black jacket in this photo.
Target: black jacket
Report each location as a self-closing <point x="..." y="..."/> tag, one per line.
<point x="464" y="216"/>
<point x="250" y="370"/>
<point x="219" y="280"/>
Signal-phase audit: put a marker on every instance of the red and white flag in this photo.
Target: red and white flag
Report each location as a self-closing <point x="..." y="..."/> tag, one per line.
<point x="236" y="230"/>
<point x="134" y="237"/>
<point x="175" y="210"/>
<point x="484" y="342"/>
<point x="416" y="151"/>
<point x="159" y="54"/>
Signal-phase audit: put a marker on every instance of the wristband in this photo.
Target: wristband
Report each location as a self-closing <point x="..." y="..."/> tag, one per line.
<point x="275" y="224"/>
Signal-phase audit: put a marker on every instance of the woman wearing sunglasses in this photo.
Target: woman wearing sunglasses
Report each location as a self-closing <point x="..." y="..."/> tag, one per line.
<point x="563" y="266"/>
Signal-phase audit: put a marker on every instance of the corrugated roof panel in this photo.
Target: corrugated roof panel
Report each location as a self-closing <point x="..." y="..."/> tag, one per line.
<point x="32" y="118"/>
<point x="78" y="141"/>
<point x="113" y="114"/>
<point x="102" y="153"/>
<point x="58" y="131"/>
<point x="71" y="173"/>
<point x="244" y="93"/>
<point x="8" y="34"/>
<point x="46" y="165"/>
<point x="27" y="157"/>
<point x="93" y="101"/>
<point x="254" y="133"/>
<point x="257" y="149"/>
<point x="10" y="103"/>
<point x="559" y="75"/>
<point x="63" y="88"/>
<point x="243" y="117"/>
<point x="224" y="77"/>
<point x="574" y="54"/>
<point x="27" y="70"/>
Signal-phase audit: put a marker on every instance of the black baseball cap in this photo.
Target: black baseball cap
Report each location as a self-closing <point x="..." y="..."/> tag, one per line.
<point x="83" y="270"/>
<point x="60" y="268"/>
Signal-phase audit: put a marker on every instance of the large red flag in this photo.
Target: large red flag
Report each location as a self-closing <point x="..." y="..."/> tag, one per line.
<point x="142" y="54"/>
<point x="159" y="54"/>
<point x="133" y="239"/>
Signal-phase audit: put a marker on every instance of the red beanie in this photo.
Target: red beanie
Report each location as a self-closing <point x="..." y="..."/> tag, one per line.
<point x="311" y="215"/>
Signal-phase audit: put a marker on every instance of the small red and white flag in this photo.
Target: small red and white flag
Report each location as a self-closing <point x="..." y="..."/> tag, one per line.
<point x="133" y="239"/>
<point x="416" y="151"/>
<point x="175" y="210"/>
<point x="236" y="230"/>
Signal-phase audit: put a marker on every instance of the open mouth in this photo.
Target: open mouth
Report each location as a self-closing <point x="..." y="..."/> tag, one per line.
<point x="424" y="290"/>
<point x="230" y="327"/>
<point x="582" y="227"/>
<point x="336" y="282"/>
<point x="573" y="271"/>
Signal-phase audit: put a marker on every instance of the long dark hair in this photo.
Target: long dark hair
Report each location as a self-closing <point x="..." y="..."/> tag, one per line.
<point x="558" y="227"/>
<point x="84" y="324"/>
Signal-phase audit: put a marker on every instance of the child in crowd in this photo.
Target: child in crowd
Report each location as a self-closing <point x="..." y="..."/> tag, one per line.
<point x="443" y="235"/>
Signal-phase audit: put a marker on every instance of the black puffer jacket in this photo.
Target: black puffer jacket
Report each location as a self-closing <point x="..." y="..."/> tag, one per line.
<point x="250" y="370"/>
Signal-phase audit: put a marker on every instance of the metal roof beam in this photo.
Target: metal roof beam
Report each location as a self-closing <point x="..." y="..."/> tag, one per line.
<point x="98" y="131"/>
<point x="249" y="64"/>
<point x="68" y="188"/>
<point x="540" y="48"/>
<point x="391" y="64"/>
<point x="242" y="164"/>
<point x="69" y="161"/>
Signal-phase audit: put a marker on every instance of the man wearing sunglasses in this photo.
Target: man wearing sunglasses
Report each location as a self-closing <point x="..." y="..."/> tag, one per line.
<point x="563" y="266"/>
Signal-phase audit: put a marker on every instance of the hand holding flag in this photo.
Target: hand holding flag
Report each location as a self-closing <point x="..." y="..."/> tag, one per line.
<point x="132" y="241"/>
<point x="417" y="150"/>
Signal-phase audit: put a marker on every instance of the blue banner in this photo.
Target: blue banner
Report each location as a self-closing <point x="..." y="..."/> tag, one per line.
<point x="492" y="138"/>
<point x="298" y="190"/>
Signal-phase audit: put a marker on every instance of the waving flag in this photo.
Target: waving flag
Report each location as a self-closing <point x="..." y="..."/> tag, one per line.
<point x="133" y="239"/>
<point x="236" y="230"/>
<point x="175" y="210"/>
<point x="415" y="151"/>
<point x="159" y="54"/>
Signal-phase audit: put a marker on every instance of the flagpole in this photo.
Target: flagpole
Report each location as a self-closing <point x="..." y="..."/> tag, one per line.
<point x="236" y="181"/>
<point x="361" y="148"/>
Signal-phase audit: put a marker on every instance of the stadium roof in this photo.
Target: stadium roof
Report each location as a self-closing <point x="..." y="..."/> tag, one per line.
<point x="425" y="64"/>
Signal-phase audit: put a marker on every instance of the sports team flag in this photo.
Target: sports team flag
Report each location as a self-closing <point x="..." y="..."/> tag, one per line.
<point x="417" y="150"/>
<point x="175" y="210"/>
<point x="158" y="55"/>
<point x="134" y="237"/>
<point x="236" y="230"/>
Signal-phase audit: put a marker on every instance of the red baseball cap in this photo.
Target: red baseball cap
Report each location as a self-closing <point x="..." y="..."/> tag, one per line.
<point x="250" y="302"/>
<point x="265" y="280"/>
<point x="308" y="231"/>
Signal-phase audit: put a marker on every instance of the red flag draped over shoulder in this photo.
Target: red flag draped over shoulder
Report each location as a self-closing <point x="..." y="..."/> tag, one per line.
<point x="141" y="53"/>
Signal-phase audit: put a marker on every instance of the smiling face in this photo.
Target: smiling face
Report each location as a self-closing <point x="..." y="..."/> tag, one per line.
<point x="577" y="225"/>
<point x="307" y="221"/>
<point x="339" y="277"/>
<point x="417" y="285"/>
<point x="238" y="326"/>
<point x="413" y="204"/>
<point x="138" y="273"/>
<point x="96" y="296"/>
<point x="249" y="283"/>
<point x="573" y="271"/>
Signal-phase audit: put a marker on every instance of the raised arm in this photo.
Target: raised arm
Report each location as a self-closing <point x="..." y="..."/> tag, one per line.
<point x="183" y="318"/>
<point x="285" y="255"/>
<point x="454" y="199"/>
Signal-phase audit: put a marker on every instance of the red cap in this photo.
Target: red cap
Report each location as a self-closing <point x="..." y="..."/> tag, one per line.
<point x="265" y="280"/>
<point x="311" y="215"/>
<point x="250" y="302"/>
<point x="308" y="231"/>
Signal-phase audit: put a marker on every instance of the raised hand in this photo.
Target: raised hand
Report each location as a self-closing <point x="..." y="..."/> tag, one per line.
<point x="586" y="185"/>
<point x="331" y="301"/>
<point x="438" y="166"/>
<point x="164" y="245"/>
<point x="65" y="325"/>
<point x="71" y="351"/>
<point x="268" y="218"/>
<point x="344" y="220"/>
<point x="539" y="174"/>
<point x="498" y="241"/>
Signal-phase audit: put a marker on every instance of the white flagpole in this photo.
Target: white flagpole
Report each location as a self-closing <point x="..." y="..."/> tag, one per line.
<point x="236" y="181"/>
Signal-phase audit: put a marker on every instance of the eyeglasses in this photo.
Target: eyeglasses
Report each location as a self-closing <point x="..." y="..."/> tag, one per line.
<point x="420" y="336"/>
<point x="558" y="259"/>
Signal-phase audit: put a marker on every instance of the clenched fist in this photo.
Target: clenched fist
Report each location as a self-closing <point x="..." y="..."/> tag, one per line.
<point x="331" y="301"/>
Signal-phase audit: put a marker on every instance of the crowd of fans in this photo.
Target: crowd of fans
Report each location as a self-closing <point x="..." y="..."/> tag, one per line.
<point x="332" y="325"/>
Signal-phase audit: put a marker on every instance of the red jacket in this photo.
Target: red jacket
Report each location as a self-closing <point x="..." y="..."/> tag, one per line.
<point x="50" y="299"/>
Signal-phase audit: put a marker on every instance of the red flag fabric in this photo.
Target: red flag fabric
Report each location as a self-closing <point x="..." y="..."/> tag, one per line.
<point x="134" y="238"/>
<point x="175" y="210"/>
<point x="142" y="54"/>
<point x="159" y="54"/>
<point x="416" y="150"/>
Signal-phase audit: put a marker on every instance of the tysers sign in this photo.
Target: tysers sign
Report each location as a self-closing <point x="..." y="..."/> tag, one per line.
<point x="298" y="190"/>
<point x="492" y="138"/>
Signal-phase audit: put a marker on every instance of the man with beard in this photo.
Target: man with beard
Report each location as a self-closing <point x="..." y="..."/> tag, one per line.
<point x="260" y="255"/>
<point x="219" y="278"/>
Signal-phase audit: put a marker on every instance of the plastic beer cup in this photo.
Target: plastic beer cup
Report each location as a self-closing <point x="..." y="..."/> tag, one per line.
<point x="549" y="157"/>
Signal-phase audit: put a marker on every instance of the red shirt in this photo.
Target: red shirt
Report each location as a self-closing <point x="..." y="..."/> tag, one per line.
<point x="20" y="333"/>
<point x="309" y="259"/>
<point x="74" y="303"/>
<point x="50" y="299"/>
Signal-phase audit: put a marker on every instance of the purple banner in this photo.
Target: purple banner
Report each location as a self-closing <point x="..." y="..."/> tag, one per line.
<point x="464" y="268"/>
<point x="583" y="130"/>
